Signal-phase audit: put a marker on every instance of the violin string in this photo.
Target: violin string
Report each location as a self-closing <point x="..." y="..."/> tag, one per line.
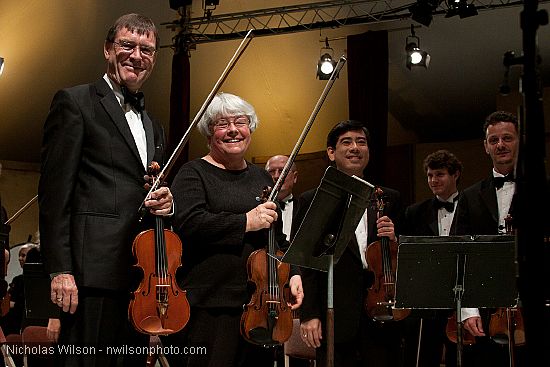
<point x="274" y="281"/>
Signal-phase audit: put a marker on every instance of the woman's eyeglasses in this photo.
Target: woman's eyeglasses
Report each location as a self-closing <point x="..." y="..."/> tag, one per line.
<point x="239" y="122"/>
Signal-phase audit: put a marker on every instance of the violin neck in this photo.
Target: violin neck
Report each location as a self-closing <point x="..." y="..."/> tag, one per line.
<point x="160" y="245"/>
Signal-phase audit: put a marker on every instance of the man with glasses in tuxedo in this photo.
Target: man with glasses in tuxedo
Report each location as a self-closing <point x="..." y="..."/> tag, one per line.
<point x="97" y="144"/>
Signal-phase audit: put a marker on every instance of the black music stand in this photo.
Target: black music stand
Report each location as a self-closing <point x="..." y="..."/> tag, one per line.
<point x="330" y="222"/>
<point x="439" y="272"/>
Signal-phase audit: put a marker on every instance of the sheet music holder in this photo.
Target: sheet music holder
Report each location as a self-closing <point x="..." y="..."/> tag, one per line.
<point x="427" y="271"/>
<point x="38" y="304"/>
<point x="331" y="220"/>
<point x="456" y="271"/>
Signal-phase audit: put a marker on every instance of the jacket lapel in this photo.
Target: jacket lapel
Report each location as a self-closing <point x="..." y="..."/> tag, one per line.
<point x="149" y="134"/>
<point x="433" y="220"/>
<point x="113" y="109"/>
<point x="489" y="198"/>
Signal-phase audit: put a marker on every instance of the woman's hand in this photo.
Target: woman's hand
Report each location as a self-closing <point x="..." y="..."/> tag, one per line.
<point x="261" y="216"/>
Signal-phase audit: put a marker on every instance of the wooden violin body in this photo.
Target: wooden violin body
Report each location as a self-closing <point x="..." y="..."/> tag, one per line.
<point x="506" y="326"/>
<point x="267" y="318"/>
<point x="159" y="305"/>
<point x="382" y="259"/>
<point x="381" y="256"/>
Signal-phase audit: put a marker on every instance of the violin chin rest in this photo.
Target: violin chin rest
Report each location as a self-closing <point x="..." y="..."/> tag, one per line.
<point x="153" y="325"/>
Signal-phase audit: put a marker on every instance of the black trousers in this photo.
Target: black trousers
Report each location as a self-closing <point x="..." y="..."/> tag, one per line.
<point x="99" y="332"/>
<point x="212" y="338"/>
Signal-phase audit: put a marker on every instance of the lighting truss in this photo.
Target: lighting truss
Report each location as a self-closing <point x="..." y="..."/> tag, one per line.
<point x="304" y="17"/>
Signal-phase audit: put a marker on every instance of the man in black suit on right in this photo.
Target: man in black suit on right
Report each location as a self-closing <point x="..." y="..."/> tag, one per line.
<point x="482" y="209"/>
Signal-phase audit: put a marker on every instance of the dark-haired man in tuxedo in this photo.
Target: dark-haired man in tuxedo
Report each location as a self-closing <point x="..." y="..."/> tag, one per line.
<point x="358" y="340"/>
<point x="432" y="217"/>
<point x="482" y="209"/>
<point x="97" y="144"/>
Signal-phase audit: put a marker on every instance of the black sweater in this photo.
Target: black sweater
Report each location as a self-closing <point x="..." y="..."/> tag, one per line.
<point x="211" y="205"/>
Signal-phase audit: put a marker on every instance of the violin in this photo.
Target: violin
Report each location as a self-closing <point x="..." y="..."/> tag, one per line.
<point x="381" y="256"/>
<point x="506" y="323"/>
<point x="267" y="318"/>
<point x="159" y="306"/>
<point x="506" y="326"/>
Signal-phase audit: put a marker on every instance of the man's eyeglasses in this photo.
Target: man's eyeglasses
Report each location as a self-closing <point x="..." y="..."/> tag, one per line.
<point x="238" y="121"/>
<point x="129" y="47"/>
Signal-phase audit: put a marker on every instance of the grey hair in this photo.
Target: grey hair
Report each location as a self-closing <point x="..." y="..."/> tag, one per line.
<point x="226" y="104"/>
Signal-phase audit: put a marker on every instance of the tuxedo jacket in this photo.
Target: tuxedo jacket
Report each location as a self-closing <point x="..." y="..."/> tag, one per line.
<point x="477" y="210"/>
<point x="350" y="279"/>
<point x="421" y="219"/>
<point x="91" y="186"/>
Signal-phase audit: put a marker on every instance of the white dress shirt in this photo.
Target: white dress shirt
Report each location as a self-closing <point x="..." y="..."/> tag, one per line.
<point x="287" y="215"/>
<point x="445" y="218"/>
<point x="361" y="233"/>
<point x="134" y="122"/>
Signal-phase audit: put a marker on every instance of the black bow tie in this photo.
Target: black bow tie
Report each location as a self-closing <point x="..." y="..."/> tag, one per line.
<point x="282" y="204"/>
<point x="449" y="206"/>
<point x="499" y="181"/>
<point x="133" y="99"/>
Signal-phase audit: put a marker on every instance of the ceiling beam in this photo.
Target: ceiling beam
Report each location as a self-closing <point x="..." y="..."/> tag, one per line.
<point x="298" y="18"/>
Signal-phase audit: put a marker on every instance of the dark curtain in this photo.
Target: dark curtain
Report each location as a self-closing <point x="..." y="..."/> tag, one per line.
<point x="179" y="108"/>
<point x="368" y="94"/>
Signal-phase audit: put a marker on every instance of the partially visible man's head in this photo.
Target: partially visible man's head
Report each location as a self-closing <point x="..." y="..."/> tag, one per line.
<point x="24" y="250"/>
<point x="274" y="166"/>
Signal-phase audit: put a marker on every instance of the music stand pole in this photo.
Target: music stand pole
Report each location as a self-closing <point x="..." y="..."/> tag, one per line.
<point x="330" y="312"/>
<point x="459" y="291"/>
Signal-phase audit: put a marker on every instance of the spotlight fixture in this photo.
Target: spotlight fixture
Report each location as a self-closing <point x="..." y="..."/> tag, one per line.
<point x="415" y="55"/>
<point x="209" y="6"/>
<point x="326" y="63"/>
<point x="422" y="10"/>
<point x="460" y="8"/>
<point x="1" y="65"/>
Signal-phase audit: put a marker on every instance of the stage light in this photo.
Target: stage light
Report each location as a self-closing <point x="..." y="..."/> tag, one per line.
<point x="1" y="65"/>
<point x="422" y="10"/>
<point x="415" y="55"/>
<point x="326" y="63"/>
<point x="460" y="8"/>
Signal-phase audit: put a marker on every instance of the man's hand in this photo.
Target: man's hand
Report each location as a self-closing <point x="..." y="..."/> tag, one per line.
<point x="386" y="228"/>
<point x="474" y="326"/>
<point x="52" y="331"/>
<point x="311" y="333"/>
<point x="160" y="202"/>
<point x="297" y="291"/>
<point x="64" y="292"/>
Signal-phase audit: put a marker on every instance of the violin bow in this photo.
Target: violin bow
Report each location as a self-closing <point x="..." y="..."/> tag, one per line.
<point x="22" y="210"/>
<point x="179" y="148"/>
<point x="286" y="169"/>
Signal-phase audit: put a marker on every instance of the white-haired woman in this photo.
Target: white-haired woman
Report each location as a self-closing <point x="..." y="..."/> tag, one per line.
<point x="220" y="222"/>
